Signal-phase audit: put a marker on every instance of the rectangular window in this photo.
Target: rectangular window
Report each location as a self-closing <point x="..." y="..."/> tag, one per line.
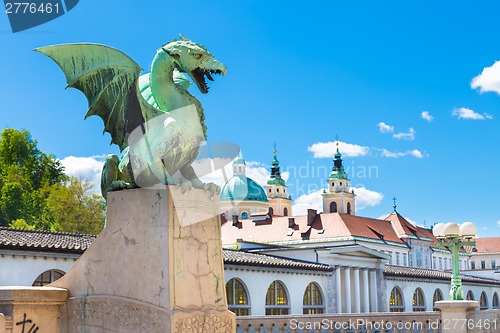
<point x="483" y="264"/>
<point x="434" y="263"/>
<point x="405" y="259"/>
<point x="390" y="257"/>
<point x="472" y="265"/>
<point x="441" y="263"/>
<point x="493" y="264"/>
<point x="397" y="259"/>
<point x="410" y="258"/>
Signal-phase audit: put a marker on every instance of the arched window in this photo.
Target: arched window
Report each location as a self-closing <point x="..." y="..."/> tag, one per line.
<point x="396" y="301"/>
<point x="333" y="207"/>
<point x="277" y="300"/>
<point x="495" y="303"/>
<point x="418" y="300"/>
<point x="483" y="301"/>
<point x="313" y="299"/>
<point x="470" y="296"/>
<point x="48" y="277"/>
<point x="244" y="216"/>
<point x="237" y="297"/>
<point x="419" y="259"/>
<point x="438" y="296"/>
<point x="271" y="211"/>
<point x="285" y="211"/>
<point x="348" y="208"/>
<point x="223" y="215"/>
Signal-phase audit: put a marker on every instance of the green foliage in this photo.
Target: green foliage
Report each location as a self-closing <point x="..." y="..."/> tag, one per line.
<point x="21" y="224"/>
<point x="36" y="194"/>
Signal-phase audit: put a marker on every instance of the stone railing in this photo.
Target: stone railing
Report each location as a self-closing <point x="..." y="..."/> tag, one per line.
<point x="484" y="321"/>
<point x="424" y="322"/>
<point x="449" y="320"/>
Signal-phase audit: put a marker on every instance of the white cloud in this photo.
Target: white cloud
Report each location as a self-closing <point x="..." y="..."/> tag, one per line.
<point x="410" y="135"/>
<point x="498" y="223"/>
<point x="314" y="200"/>
<point x="384" y="128"/>
<point x="426" y="115"/>
<point x="258" y="172"/>
<point x="328" y="149"/>
<point x="415" y="153"/>
<point x="488" y="80"/>
<point x="366" y="197"/>
<point x="465" y="113"/>
<point x="86" y="169"/>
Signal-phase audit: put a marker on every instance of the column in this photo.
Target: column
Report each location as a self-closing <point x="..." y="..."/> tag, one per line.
<point x="338" y="289"/>
<point x="366" y="291"/>
<point x="373" y="291"/>
<point x="347" y="278"/>
<point x="357" y="307"/>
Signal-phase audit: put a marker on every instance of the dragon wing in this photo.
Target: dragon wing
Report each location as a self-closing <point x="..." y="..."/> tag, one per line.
<point x="109" y="79"/>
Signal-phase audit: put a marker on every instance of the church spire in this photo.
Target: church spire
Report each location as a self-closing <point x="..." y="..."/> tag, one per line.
<point x="239" y="166"/>
<point x="338" y="198"/>
<point x="280" y="202"/>
<point x="275" y="177"/>
<point x="338" y="168"/>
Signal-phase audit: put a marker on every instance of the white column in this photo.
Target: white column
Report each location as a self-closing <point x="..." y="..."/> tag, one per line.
<point x="338" y="288"/>
<point x="357" y="307"/>
<point x="366" y="291"/>
<point x="373" y="291"/>
<point x="347" y="278"/>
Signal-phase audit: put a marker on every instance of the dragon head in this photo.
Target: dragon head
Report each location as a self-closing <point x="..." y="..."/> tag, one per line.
<point x="195" y="60"/>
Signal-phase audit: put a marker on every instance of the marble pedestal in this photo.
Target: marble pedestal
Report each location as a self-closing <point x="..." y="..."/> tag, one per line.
<point x="454" y="315"/>
<point x="156" y="267"/>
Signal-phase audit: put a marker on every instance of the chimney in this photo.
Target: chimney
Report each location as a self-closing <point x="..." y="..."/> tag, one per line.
<point x="311" y="214"/>
<point x="291" y="222"/>
<point x="235" y="220"/>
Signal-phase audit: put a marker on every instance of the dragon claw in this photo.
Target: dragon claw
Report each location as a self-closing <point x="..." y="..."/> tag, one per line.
<point x="119" y="185"/>
<point x="212" y="188"/>
<point x="186" y="186"/>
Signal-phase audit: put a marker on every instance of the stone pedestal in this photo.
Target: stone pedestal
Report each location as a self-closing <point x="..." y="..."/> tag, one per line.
<point x="156" y="267"/>
<point x="31" y="309"/>
<point x="454" y="315"/>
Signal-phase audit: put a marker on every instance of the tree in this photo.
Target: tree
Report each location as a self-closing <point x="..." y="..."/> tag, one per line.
<point x="35" y="192"/>
<point x="72" y="208"/>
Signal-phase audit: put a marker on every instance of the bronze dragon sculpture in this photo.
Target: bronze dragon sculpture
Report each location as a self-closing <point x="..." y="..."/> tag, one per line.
<point x="153" y="117"/>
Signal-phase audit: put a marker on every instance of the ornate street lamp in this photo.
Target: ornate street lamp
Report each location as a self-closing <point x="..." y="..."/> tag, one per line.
<point x="454" y="237"/>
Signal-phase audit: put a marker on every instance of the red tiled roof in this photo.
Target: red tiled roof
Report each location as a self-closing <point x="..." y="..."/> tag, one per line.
<point x="403" y="227"/>
<point x="488" y="245"/>
<point x="331" y="225"/>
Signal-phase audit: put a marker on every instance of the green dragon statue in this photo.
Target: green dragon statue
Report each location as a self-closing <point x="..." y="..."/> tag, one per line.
<point x="153" y="117"/>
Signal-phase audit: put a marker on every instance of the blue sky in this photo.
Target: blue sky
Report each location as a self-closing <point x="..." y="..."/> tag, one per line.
<point x="300" y="73"/>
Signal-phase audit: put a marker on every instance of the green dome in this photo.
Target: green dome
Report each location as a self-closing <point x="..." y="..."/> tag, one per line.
<point x="241" y="188"/>
<point x="338" y="169"/>
<point x="338" y="174"/>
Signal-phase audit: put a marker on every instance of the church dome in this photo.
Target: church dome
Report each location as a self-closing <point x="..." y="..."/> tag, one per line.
<point x="242" y="188"/>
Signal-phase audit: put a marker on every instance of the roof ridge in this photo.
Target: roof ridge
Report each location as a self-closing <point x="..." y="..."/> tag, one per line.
<point x="38" y="231"/>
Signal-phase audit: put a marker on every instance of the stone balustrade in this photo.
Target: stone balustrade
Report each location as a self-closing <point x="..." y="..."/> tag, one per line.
<point x="428" y="322"/>
<point x="484" y="321"/>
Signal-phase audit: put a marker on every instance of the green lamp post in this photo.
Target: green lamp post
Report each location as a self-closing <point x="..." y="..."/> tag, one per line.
<point x="454" y="237"/>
